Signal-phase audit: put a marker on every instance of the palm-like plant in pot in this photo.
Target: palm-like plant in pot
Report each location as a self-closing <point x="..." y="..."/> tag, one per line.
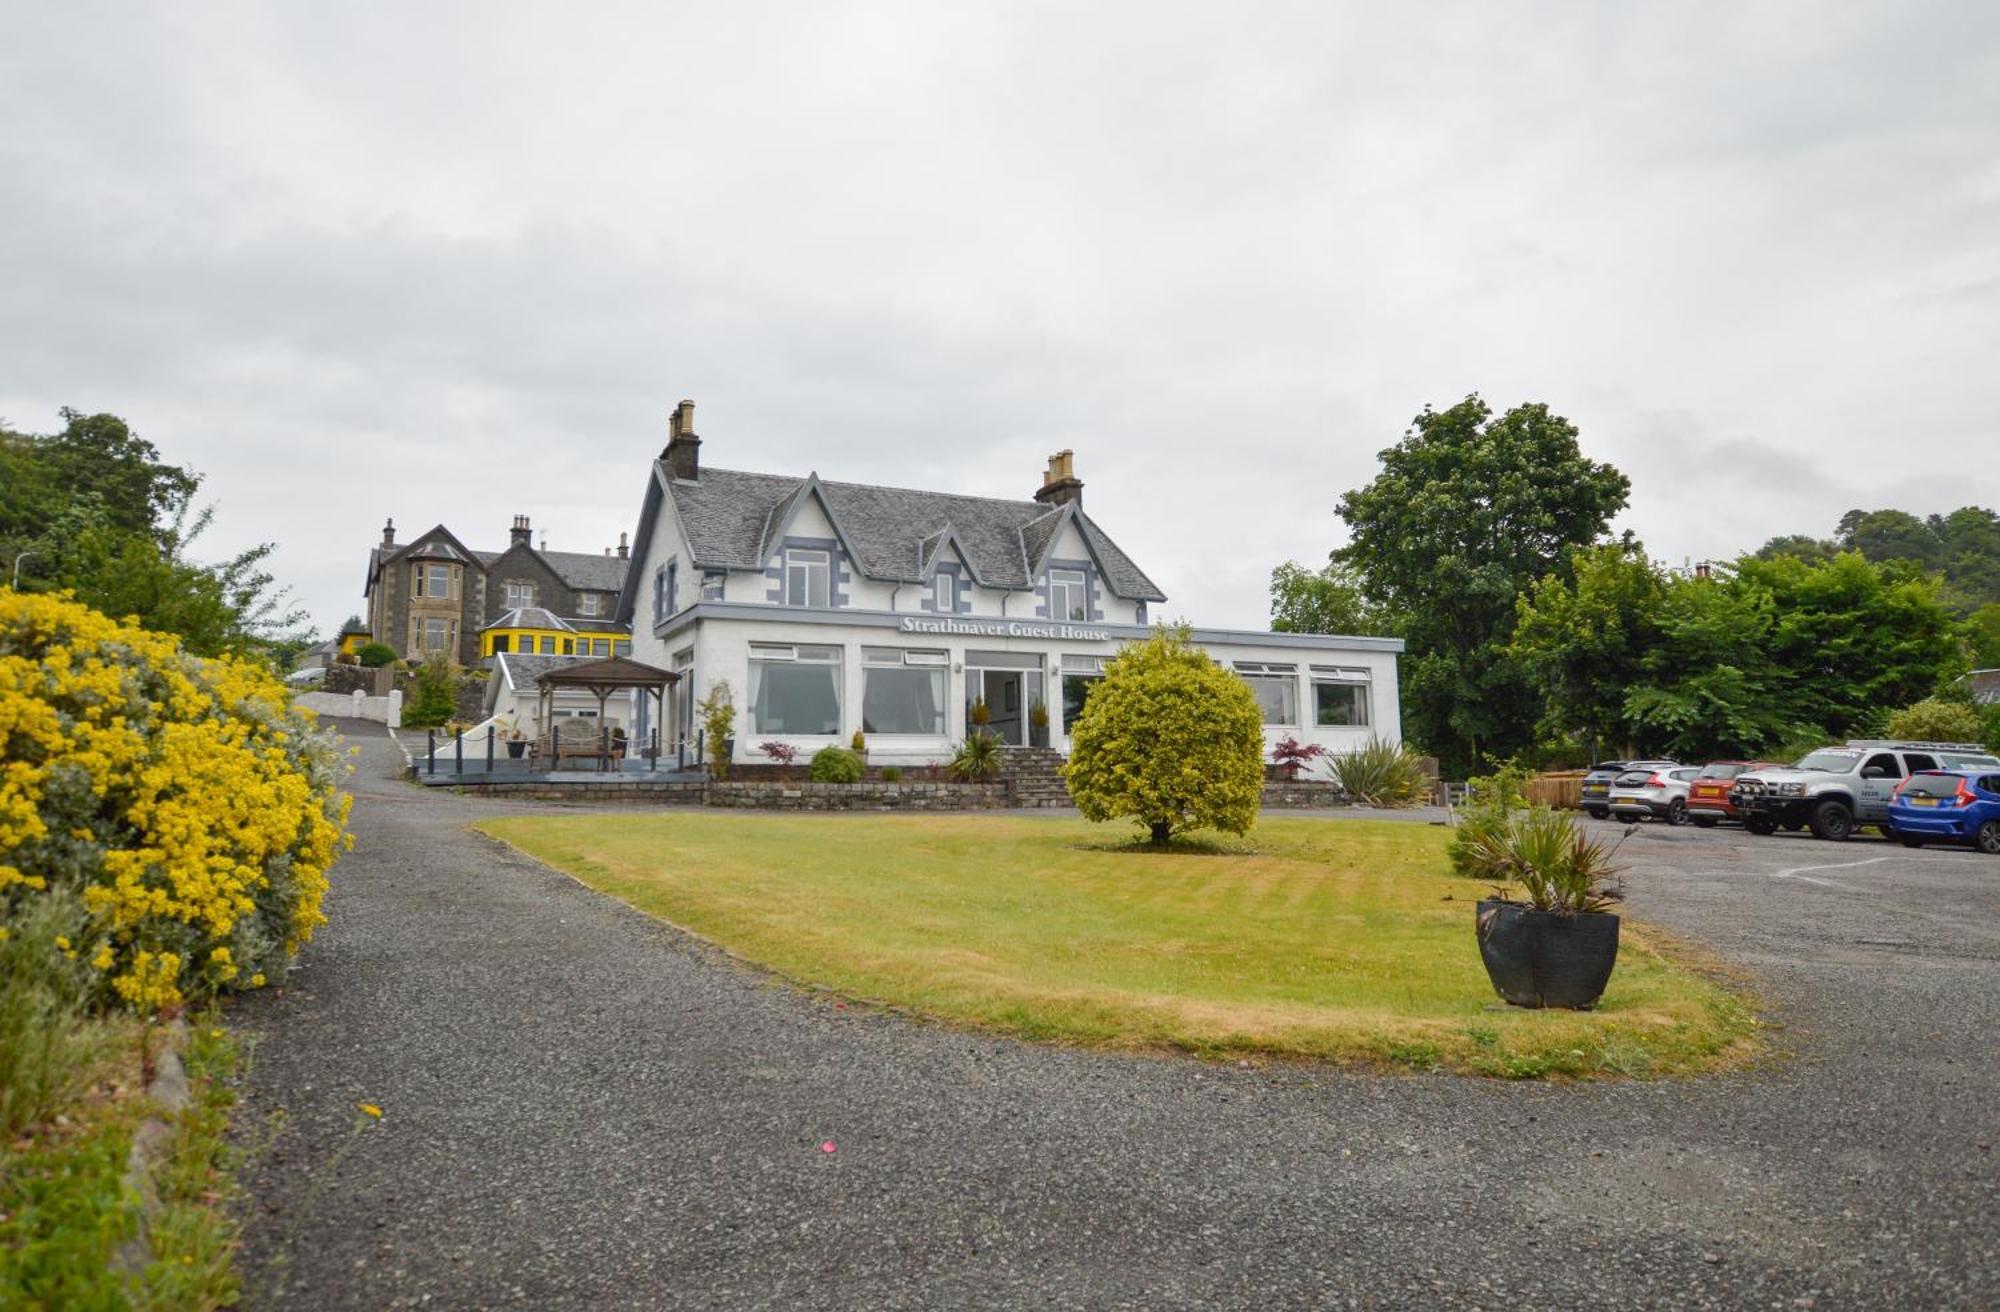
<point x="1557" y="944"/>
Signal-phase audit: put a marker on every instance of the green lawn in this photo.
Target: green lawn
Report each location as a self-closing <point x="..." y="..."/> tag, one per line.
<point x="1346" y="940"/>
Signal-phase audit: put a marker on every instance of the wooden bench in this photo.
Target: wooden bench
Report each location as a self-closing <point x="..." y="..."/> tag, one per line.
<point x="579" y="740"/>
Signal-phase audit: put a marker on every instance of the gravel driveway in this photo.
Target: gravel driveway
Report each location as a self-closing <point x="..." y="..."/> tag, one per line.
<point x="584" y="1109"/>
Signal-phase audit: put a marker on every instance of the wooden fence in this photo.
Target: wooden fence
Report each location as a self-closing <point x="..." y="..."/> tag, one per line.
<point x="1562" y="788"/>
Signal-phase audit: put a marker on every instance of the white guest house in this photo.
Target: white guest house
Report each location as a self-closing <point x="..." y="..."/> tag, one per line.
<point x="830" y="607"/>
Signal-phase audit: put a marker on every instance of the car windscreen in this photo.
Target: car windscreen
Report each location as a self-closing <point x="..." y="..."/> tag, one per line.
<point x="1967" y="761"/>
<point x="1932" y="784"/>
<point x="1720" y="771"/>
<point x="1633" y="778"/>
<point x="1833" y="762"/>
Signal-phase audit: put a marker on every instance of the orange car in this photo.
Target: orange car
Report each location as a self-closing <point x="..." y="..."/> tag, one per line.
<point x="1708" y="794"/>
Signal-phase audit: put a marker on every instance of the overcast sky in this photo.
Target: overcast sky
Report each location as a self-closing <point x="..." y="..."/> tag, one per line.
<point x="455" y="263"/>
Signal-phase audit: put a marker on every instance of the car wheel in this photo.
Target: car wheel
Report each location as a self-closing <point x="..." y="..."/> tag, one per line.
<point x="1704" y="822"/>
<point x="1987" y="839"/>
<point x="1599" y="813"/>
<point x="1762" y="826"/>
<point x="1909" y="840"/>
<point x="1677" y="812"/>
<point x="1833" y="822"/>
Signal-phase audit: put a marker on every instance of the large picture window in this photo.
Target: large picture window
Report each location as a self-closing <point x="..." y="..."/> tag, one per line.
<point x="1080" y="676"/>
<point x="1069" y="595"/>
<point x="1340" y="697"/>
<point x="902" y="691"/>
<point x="1276" y="687"/>
<point x="794" y="689"/>
<point x="808" y="577"/>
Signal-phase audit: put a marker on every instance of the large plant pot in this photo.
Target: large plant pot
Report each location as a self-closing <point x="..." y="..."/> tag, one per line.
<point x="1541" y="959"/>
<point x="517" y="748"/>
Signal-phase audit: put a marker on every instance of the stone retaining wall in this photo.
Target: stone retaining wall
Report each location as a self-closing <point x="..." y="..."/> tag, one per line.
<point x="1303" y="793"/>
<point x="858" y="797"/>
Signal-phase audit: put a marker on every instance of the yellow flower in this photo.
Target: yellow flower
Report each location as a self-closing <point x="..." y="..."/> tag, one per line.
<point x="104" y="958"/>
<point x="257" y="980"/>
<point x="62" y="941"/>
<point x="371" y="1109"/>
<point x="215" y="1034"/>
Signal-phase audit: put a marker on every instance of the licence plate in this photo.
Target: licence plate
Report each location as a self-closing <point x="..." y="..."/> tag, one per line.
<point x="1923" y="801"/>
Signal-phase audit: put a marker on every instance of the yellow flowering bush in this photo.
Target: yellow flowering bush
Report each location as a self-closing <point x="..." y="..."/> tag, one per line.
<point x="191" y="809"/>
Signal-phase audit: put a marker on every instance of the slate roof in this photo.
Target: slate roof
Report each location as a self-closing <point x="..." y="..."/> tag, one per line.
<point x="531" y="617"/>
<point x="525" y="671"/>
<point x="733" y="520"/>
<point x="577" y="569"/>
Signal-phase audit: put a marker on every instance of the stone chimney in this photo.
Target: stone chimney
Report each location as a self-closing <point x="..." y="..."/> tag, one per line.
<point x="624" y="548"/>
<point x="518" y="535"/>
<point x="1060" y="485"/>
<point x="389" y="532"/>
<point x="683" y="453"/>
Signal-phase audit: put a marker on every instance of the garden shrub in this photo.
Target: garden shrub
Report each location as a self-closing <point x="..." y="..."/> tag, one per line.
<point x="1489" y="809"/>
<point x="718" y="718"/>
<point x="1170" y="739"/>
<point x="1382" y="774"/>
<point x="1940" y="721"/>
<point x="891" y="774"/>
<point x="184" y="803"/>
<point x="375" y="654"/>
<point x="836" y="765"/>
<point x="977" y="759"/>
<point x="434" y="700"/>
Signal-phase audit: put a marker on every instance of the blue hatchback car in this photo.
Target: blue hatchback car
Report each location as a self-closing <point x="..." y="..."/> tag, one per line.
<point x="1948" y="806"/>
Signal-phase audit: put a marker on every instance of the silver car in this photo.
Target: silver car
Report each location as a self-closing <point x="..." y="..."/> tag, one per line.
<point x="1656" y="792"/>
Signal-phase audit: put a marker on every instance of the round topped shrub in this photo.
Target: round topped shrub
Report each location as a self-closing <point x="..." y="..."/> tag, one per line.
<point x="836" y="765"/>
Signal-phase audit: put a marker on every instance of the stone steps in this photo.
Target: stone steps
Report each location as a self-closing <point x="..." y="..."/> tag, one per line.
<point x="1033" y="776"/>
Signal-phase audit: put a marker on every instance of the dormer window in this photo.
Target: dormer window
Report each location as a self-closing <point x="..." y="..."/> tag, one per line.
<point x="808" y="577"/>
<point x="590" y="603"/>
<point x="1069" y="595"/>
<point x="944" y="593"/>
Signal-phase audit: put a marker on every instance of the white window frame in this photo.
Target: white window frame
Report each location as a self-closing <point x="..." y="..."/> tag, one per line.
<point x="712" y="584"/>
<point x="1061" y="583"/>
<point x="1285" y="677"/>
<point x="520" y="595"/>
<point x="805" y="566"/>
<point x="944" y="592"/>
<point x="589" y="603"/>
<point x="802" y="653"/>
<point x="1338" y="677"/>
<point x="900" y="658"/>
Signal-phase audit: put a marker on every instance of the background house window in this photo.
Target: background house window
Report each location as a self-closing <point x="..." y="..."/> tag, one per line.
<point x="944" y="593"/>
<point x="794" y="689"/>
<point x="1340" y="697"/>
<point x="1276" y="687"/>
<point x="590" y="603"/>
<point x="1069" y="595"/>
<point x="548" y="644"/>
<point x="712" y="584"/>
<point x="502" y="642"/>
<point x="808" y="577"/>
<point x="437" y="634"/>
<point x="902" y="691"/>
<point x="519" y="595"/>
<point x="600" y="646"/>
<point x="673" y="587"/>
<point x="440" y="581"/>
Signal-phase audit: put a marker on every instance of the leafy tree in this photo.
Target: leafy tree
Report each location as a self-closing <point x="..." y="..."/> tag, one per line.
<point x="1982" y="634"/>
<point x="1937" y="720"/>
<point x="434" y="699"/>
<point x="1889" y="535"/>
<point x="1584" y="640"/>
<point x="1708" y="686"/>
<point x="1467" y="513"/>
<point x="1170" y="739"/>
<point x="1326" y="600"/>
<point x="1853" y="638"/>
<point x="1806" y="548"/>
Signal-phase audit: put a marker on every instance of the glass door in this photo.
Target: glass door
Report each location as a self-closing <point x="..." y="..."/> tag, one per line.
<point x="1009" y="685"/>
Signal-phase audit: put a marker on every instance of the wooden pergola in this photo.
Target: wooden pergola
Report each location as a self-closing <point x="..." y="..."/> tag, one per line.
<point x="602" y="678"/>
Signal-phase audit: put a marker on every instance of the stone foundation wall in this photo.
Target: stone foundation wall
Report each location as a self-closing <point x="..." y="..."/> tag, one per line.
<point x="858" y="797"/>
<point x="1302" y="794"/>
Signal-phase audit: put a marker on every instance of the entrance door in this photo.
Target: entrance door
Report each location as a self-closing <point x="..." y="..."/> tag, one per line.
<point x="1010" y="683"/>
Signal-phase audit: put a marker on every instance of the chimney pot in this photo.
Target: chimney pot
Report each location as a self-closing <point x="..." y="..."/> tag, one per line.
<point x="1060" y="485"/>
<point x="624" y="548"/>
<point x="683" y="452"/>
<point x="519" y="534"/>
<point x="389" y="532"/>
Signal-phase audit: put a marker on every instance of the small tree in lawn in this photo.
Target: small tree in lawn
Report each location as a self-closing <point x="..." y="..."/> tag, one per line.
<point x="1170" y="739"/>
<point x="1292" y="756"/>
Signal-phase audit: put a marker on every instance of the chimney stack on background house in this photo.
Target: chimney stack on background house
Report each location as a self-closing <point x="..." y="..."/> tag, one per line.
<point x="518" y="535"/>
<point x="624" y="548"/>
<point x="389" y="532"/>
<point x="1060" y="485"/>
<point x="683" y="453"/>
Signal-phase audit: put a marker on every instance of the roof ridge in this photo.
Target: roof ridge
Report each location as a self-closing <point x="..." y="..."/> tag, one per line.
<point x="882" y="487"/>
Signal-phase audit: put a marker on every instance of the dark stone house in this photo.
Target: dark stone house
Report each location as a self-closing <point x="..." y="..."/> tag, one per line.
<point x="434" y="593"/>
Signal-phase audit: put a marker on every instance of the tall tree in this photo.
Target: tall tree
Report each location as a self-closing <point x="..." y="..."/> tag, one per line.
<point x="1584" y="640"/>
<point x="1326" y="600"/>
<point x="1466" y="514"/>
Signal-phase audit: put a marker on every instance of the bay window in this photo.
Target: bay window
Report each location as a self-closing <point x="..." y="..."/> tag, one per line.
<point x="903" y="691"/>
<point x="1080" y="676"/>
<point x="794" y="689"/>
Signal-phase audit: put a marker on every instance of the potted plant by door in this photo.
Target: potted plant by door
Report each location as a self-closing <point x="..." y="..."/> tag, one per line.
<point x="1038" y="724"/>
<point x="517" y="743"/>
<point x="1556" y="946"/>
